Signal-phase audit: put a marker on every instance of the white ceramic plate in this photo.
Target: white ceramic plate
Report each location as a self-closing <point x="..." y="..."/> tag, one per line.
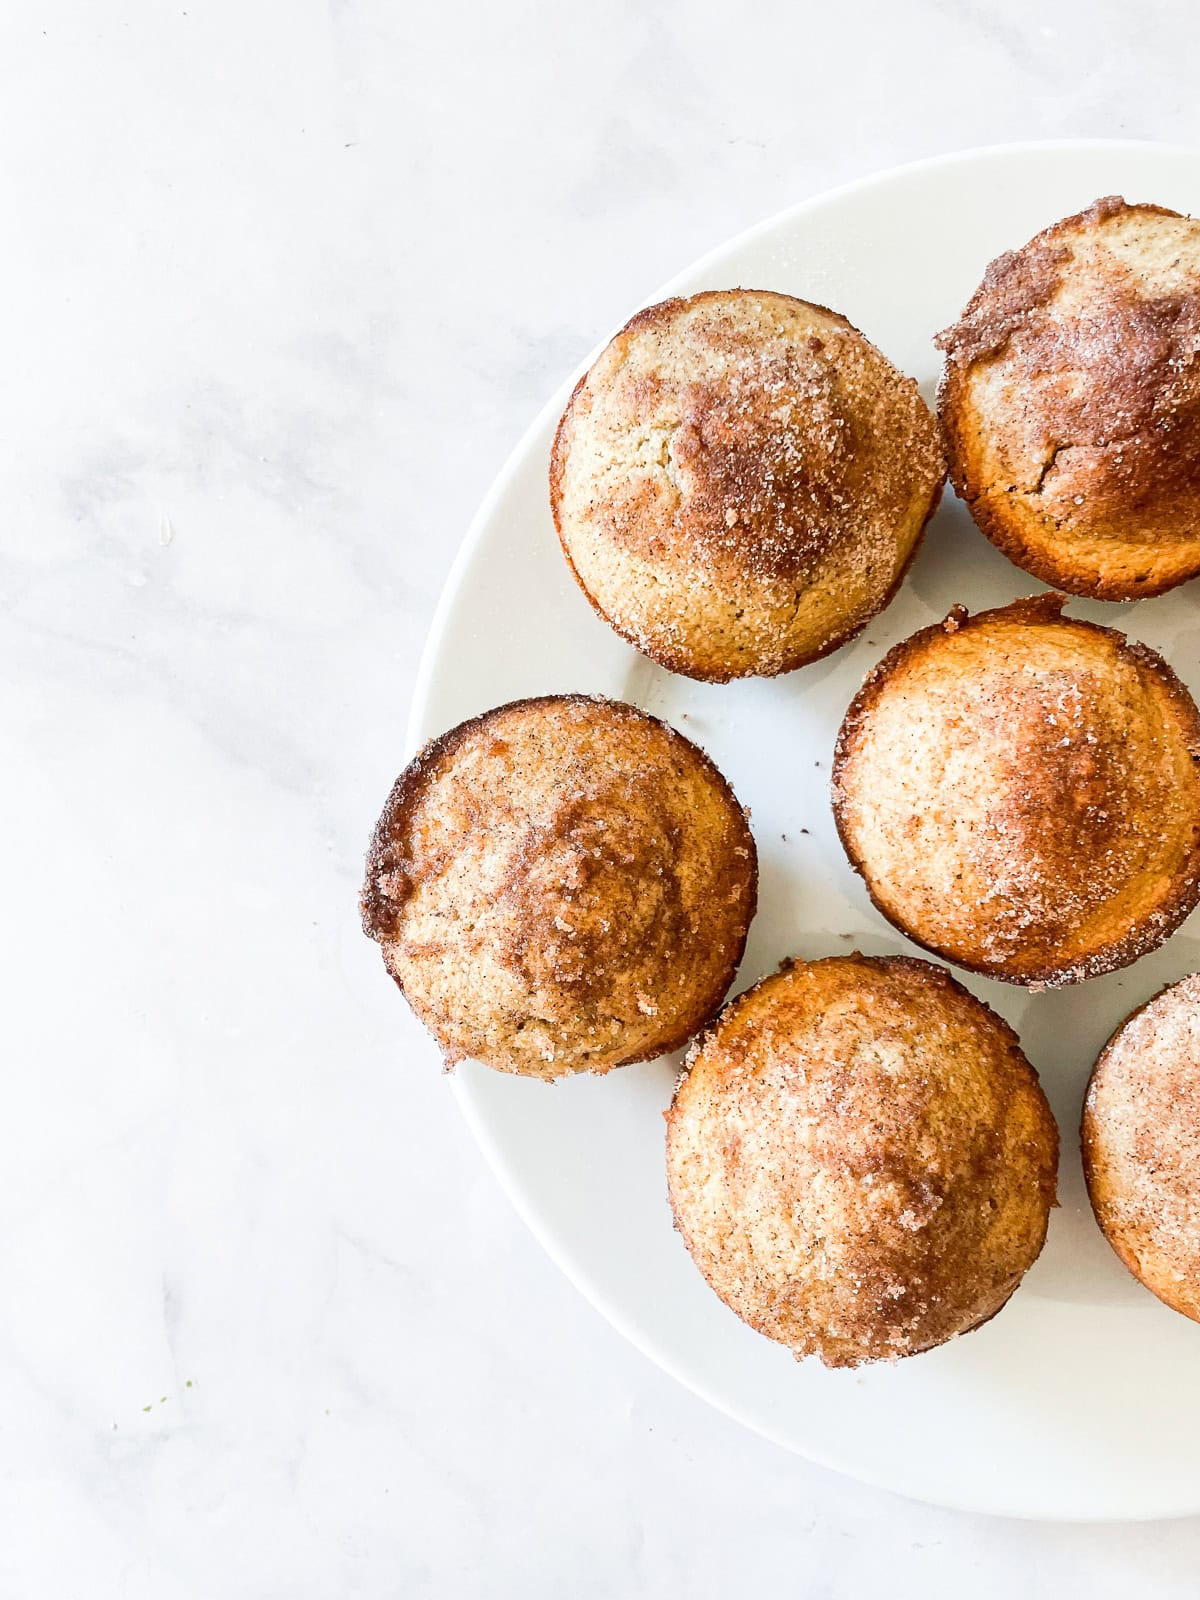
<point x="1082" y="1399"/>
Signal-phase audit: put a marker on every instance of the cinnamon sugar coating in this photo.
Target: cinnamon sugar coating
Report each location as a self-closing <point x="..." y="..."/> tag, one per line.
<point x="1020" y="792"/>
<point x="860" y="1159"/>
<point x="740" y="481"/>
<point x="561" y="885"/>
<point x="1071" y="402"/>
<point x="1141" y="1144"/>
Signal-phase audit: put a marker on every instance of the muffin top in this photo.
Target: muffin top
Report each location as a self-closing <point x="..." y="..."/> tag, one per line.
<point x="1071" y="402"/>
<point x="1141" y="1144"/>
<point x="739" y="481"/>
<point x="860" y="1159"/>
<point x="562" y="884"/>
<point x="1020" y="793"/>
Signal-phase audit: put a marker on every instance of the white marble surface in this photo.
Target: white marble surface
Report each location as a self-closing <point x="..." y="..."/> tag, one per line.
<point x="282" y="284"/>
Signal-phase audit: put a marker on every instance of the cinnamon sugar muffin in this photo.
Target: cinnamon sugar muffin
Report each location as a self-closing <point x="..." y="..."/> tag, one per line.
<point x="560" y="885"/>
<point x="860" y="1159"/>
<point x="1071" y="402"/>
<point x="1020" y="793"/>
<point x="740" y="481"/>
<point x="1141" y="1144"/>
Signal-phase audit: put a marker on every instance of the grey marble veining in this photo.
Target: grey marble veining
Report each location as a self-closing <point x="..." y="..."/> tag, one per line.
<point x="282" y="285"/>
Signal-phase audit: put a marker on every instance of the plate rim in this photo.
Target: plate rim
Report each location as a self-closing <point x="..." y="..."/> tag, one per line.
<point x="421" y="692"/>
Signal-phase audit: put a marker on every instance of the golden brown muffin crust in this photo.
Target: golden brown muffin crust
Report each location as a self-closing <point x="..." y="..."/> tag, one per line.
<point x="1019" y="791"/>
<point x="860" y="1158"/>
<point x="561" y="884"/>
<point x="1071" y="402"/>
<point x="740" y="480"/>
<point x="1141" y="1144"/>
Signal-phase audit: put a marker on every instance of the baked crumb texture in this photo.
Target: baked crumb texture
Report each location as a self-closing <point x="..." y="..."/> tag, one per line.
<point x="740" y="481"/>
<point x="1020" y="792"/>
<point x="1141" y="1145"/>
<point x="561" y="885"/>
<point x="1070" y="402"/>
<point x="860" y="1159"/>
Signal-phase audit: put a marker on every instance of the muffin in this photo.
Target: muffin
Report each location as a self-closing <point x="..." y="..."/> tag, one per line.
<point x="860" y="1159"/>
<point x="561" y="885"/>
<point x="1020" y="794"/>
<point x="740" y="481"/>
<point x="1141" y="1145"/>
<point x="1071" y="402"/>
